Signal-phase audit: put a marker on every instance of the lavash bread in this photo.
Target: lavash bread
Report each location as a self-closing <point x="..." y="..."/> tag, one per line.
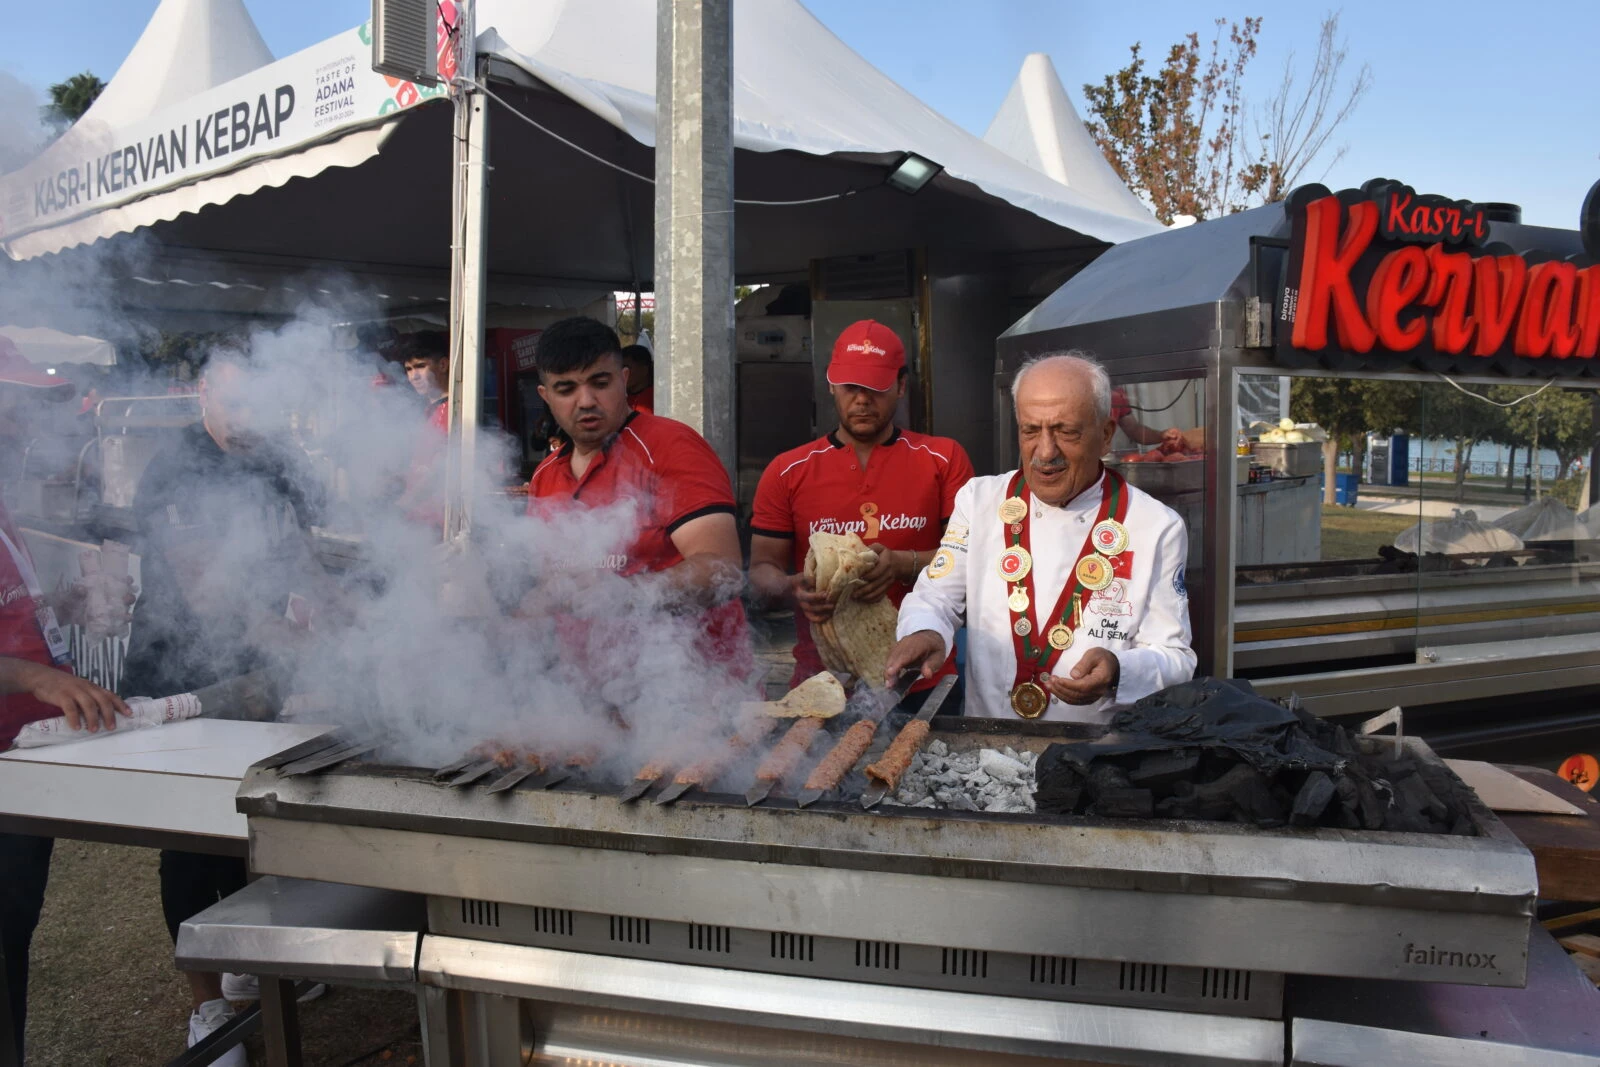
<point x="858" y="638"/>
<point x="818" y="697"/>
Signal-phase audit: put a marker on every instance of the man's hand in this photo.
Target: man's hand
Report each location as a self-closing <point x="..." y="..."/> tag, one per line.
<point x="888" y="569"/>
<point x="1091" y="678"/>
<point x="923" y="650"/>
<point x="86" y="705"/>
<point x="814" y="605"/>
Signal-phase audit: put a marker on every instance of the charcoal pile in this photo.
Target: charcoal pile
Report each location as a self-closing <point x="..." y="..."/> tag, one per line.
<point x="1214" y="750"/>
<point x="989" y="779"/>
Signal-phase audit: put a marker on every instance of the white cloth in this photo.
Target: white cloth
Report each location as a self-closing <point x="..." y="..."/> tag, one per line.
<point x="1144" y="619"/>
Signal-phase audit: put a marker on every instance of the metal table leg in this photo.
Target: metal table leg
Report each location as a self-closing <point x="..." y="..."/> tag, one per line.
<point x="280" y="1023"/>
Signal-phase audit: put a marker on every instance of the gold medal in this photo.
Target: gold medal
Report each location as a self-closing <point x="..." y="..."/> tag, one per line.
<point x="1029" y="700"/>
<point x="1018" y="600"/>
<point x="1013" y="509"/>
<point x="1015" y="563"/>
<point x="1094" y="572"/>
<point x="1023" y="627"/>
<point x="1109" y="537"/>
<point x="1060" y="637"/>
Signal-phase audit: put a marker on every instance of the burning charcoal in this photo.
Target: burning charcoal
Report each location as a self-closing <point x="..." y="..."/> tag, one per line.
<point x="1162" y="770"/>
<point x="1000" y="765"/>
<point x="962" y="802"/>
<point x="937" y="747"/>
<point x="925" y="802"/>
<point x="1312" y="800"/>
<point x="1010" y="753"/>
<point x="1124" y="803"/>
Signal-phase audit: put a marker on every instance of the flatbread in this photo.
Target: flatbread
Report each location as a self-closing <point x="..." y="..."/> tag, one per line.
<point x="818" y="697"/>
<point x="864" y="631"/>
<point x="857" y="639"/>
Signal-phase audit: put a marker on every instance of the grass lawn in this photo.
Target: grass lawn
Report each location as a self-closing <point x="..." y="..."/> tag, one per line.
<point x="1348" y="533"/>
<point x="104" y="992"/>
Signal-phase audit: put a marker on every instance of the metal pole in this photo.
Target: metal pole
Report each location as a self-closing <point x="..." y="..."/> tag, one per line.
<point x="694" y="217"/>
<point x="468" y="287"/>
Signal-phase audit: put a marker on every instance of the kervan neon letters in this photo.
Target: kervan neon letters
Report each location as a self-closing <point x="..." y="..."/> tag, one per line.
<point x="1389" y="274"/>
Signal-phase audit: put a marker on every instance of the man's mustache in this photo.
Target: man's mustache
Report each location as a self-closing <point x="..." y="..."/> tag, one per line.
<point x="1048" y="468"/>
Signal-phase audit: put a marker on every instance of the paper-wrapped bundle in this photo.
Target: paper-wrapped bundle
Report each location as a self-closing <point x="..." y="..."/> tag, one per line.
<point x="1546" y="519"/>
<point x="858" y="638"/>
<point x="1461" y="534"/>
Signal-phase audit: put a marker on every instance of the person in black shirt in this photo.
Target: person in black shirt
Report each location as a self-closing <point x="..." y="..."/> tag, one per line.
<point x="223" y="518"/>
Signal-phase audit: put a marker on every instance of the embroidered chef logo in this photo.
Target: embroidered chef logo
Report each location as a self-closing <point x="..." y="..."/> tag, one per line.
<point x="941" y="563"/>
<point x="1178" y="585"/>
<point x="1112" y="600"/>
<point x="869" y="515"/>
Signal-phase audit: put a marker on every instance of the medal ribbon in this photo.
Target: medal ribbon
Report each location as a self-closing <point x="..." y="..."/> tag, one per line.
<point x="1033" y="661"/>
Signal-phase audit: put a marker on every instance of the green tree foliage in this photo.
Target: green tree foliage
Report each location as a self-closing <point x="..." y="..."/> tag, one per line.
<point x="1185" y="139"/>
<point x="70" y="99"/>
<point x="1562" y="420"/>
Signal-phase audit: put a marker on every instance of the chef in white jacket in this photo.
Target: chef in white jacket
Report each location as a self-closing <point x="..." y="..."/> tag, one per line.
<point x="1070" y="580"/>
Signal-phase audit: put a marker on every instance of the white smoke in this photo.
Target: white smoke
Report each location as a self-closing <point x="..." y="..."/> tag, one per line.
<point x="571" y="657"/>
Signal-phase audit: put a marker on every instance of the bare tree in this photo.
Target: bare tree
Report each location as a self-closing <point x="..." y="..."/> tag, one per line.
<point x="1294" y="127"/>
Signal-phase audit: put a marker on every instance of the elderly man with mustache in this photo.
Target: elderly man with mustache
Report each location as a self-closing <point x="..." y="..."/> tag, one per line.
<point x="1070" y="580"/>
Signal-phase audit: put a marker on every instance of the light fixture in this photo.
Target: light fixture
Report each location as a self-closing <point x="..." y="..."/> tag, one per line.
<point x="912" y="172"/>
<point x="49" y="370"/>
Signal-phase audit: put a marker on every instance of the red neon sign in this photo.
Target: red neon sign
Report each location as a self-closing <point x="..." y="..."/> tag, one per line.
<point x="1389" y="270"/>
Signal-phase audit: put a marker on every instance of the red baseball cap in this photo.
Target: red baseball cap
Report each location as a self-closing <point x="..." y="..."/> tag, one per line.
<point x="867" y="354"/>
<point x="15" y="370"/>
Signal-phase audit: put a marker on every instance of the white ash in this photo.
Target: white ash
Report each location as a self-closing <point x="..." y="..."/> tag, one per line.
<point x="989" y="779"/>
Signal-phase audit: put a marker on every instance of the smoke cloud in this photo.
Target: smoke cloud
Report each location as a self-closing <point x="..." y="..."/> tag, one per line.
<point x="524" y="635"/>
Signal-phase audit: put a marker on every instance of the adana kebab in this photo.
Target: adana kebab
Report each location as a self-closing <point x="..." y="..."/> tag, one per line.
<point x="783" y="759"/>
<point x="705" y="771"/>
<point x="894" y="763"/>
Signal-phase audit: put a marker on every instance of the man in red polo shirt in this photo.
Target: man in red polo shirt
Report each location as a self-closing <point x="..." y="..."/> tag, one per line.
<point x="427" y="365"/>
<point x="687" y="537"/>
<point x="892" y="487"/>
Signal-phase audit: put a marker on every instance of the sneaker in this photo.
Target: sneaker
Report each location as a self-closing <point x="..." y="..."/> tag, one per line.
<point x="237" y="988"/>
<point x="206" y="1020"/>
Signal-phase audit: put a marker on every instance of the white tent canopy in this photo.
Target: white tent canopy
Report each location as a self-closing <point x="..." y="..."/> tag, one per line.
<point x="45" y="347"/>
<point x="798" y="89"/>
<point x="1038" y="125"/>
<point x="188" y="47"/>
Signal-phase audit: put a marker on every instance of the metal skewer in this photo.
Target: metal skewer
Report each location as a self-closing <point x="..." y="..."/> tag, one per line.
<point x="473" y="773"/>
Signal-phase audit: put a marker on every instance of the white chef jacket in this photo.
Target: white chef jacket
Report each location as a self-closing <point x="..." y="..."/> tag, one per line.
<point x="1143" y="619"/>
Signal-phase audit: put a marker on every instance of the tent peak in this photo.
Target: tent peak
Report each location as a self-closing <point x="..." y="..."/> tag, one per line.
<point x="1038" y="125"/>
<point x="187" y="47"/>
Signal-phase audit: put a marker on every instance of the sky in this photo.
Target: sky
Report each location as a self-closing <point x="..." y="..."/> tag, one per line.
<point x="1472" y="99"/>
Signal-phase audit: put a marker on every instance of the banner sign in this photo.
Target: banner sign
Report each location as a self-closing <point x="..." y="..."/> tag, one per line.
<point x="310" y="96"/>
<point x="1385" y="270"/>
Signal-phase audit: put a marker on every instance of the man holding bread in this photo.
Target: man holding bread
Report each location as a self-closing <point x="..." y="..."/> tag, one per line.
<point x="869" y="485"/>
<point x="1069" y="580"/>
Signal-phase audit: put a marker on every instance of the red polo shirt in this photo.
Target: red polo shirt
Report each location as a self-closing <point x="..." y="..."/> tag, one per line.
<point x="900" y="501"/>
<point x="20" y="638"/>
<point x="424" y="486"/>
<point x="676" y="476"/>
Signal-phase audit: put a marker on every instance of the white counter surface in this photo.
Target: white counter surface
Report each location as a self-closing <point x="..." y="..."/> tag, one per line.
<point x="172" y="781"/>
